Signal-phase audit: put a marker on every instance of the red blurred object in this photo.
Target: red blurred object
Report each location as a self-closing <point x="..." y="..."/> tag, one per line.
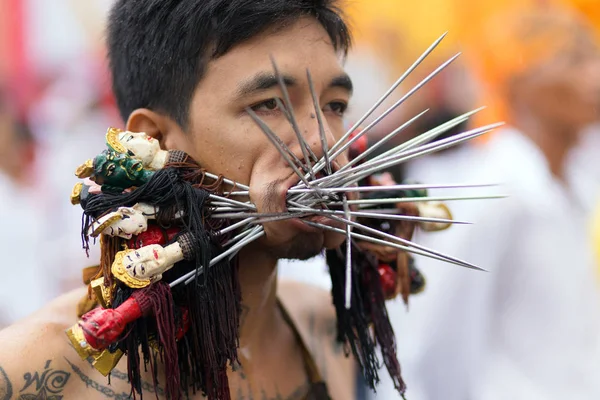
<point x="103" y="326"/>
<point x="185" y="324"/>
<point x="389" y="280"/>
<point x="359" y="146"/>
<point x="153" y="235"/>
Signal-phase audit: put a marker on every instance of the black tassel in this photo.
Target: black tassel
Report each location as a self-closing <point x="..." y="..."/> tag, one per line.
<point x="384" y="333"/>
<point x="353" y="324"/>
<point x="367" y="310"/>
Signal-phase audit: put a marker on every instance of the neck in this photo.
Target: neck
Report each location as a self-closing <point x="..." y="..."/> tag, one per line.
<point x="260" y="315"/>
<point x="554" y="141"/>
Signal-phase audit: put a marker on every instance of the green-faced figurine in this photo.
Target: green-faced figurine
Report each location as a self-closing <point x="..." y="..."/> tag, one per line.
<point x="115" y="171"/>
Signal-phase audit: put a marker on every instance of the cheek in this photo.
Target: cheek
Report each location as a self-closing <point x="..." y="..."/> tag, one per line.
<point x="336" y="127"/>
<point x="225" y="147"/>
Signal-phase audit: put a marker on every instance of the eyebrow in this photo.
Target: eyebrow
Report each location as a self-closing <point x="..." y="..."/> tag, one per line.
<point x="267" y="80"/>
<point x="261" y="82"/>
<point x="342" y="81"/>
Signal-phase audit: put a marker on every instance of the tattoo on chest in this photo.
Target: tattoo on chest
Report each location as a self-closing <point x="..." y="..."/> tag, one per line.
<point x="6" y="391"/>
<point x="244" y="314"/>
<point x="91" y="383"/>
<point x="243" y="392"/>
<point x="246" y="393"/>
<point x="44" y="384"/>
<point x="147" y="387"/>
<point x="331" y="335"/>
<point x="315" y="346"/>
<point x="323" y="335"/>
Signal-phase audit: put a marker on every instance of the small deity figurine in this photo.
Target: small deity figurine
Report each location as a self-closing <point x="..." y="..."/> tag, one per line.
<point x="114" y="171"/>
<point x="138" y="268"/>
<point x="149" y="208"/>
<point x="130" y="160"/>
<point x="139" y="146"/>
<point x="125" y="222"/>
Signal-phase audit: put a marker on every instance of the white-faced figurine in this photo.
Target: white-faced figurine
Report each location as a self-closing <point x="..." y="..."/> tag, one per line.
<point x="138" y="268"/>
<point x="125" y="222"/>
<point x="137" y="145"/>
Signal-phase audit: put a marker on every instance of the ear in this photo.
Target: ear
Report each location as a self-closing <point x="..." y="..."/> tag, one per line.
<point x="160" y="127"/>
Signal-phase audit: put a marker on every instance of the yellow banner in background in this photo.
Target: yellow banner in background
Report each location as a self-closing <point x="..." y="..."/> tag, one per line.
<point x="398" y="31"/>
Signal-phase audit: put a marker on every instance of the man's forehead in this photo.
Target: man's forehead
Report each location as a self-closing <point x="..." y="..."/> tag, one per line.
<point x="301" y="46"/>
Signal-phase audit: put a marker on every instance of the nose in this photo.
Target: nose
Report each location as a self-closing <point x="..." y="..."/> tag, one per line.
<point x="318" y="137"/>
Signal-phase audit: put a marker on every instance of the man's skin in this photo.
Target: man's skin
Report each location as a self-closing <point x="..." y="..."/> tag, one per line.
<point x="225" y="140"/>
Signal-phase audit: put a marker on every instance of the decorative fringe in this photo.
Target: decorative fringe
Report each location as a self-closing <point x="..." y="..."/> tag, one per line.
<point x="191" y="172"/>
<point x="109" y="246"/>
<point x="353" y="324"/>
<point x="213" y="299"/>
<point x="367" y="308"/>
<point x="213" y="338"/>
<point x="157" y="300"/>
<point x="158" y="326"/>
<point x="384" y="333"/>
<point x="134" y="339"/>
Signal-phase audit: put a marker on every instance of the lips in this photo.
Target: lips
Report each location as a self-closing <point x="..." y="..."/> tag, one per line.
<point x="284" y="185"/>
<point x="299" y="225"/>
<point x="323" y="220"/>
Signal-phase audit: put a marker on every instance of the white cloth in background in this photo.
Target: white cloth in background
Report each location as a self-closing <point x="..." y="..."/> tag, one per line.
<point x="69" y="130"/>
<point x="529" y="328"/>
<point x="61" y="155"/>
<point x="584" y="168"/>
<point x="21" y="288"/>
<point x="313" y="271"/>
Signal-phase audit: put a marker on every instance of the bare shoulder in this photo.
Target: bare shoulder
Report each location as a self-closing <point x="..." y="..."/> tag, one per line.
<point x="46" y="326"/>
<point x="36" y="360"/>
<point x="311" y="309"/>
<point x="305" y="299"/>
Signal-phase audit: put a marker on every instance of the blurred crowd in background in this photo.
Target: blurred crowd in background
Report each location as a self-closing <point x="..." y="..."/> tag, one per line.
<point x="528" y="329"/>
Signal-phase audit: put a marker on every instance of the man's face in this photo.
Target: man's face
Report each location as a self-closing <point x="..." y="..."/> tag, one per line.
<point x="566" y="89"/>
<point x="225" y="140"/>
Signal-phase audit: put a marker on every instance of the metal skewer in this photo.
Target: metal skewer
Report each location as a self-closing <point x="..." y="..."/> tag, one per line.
<point x="388" y="92"/>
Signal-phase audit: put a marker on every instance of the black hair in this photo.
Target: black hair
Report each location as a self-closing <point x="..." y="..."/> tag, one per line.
<point x="158" y="49"/>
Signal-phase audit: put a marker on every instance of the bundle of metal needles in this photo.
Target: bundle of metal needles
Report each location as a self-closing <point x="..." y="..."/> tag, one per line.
<point x="322" y="190"/>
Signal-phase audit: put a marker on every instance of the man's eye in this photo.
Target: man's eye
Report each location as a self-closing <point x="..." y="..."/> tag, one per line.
<point x="268" y="105"/>
<point x="337" y="107"/>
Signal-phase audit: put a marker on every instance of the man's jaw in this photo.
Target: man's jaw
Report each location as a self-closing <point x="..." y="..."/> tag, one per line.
<point x="302" y="246"/>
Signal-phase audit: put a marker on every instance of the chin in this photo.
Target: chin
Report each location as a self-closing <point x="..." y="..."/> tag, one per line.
<point x="293" y="239"/>
<point x="333" y="240"/>
<point x="302" y="246"/>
